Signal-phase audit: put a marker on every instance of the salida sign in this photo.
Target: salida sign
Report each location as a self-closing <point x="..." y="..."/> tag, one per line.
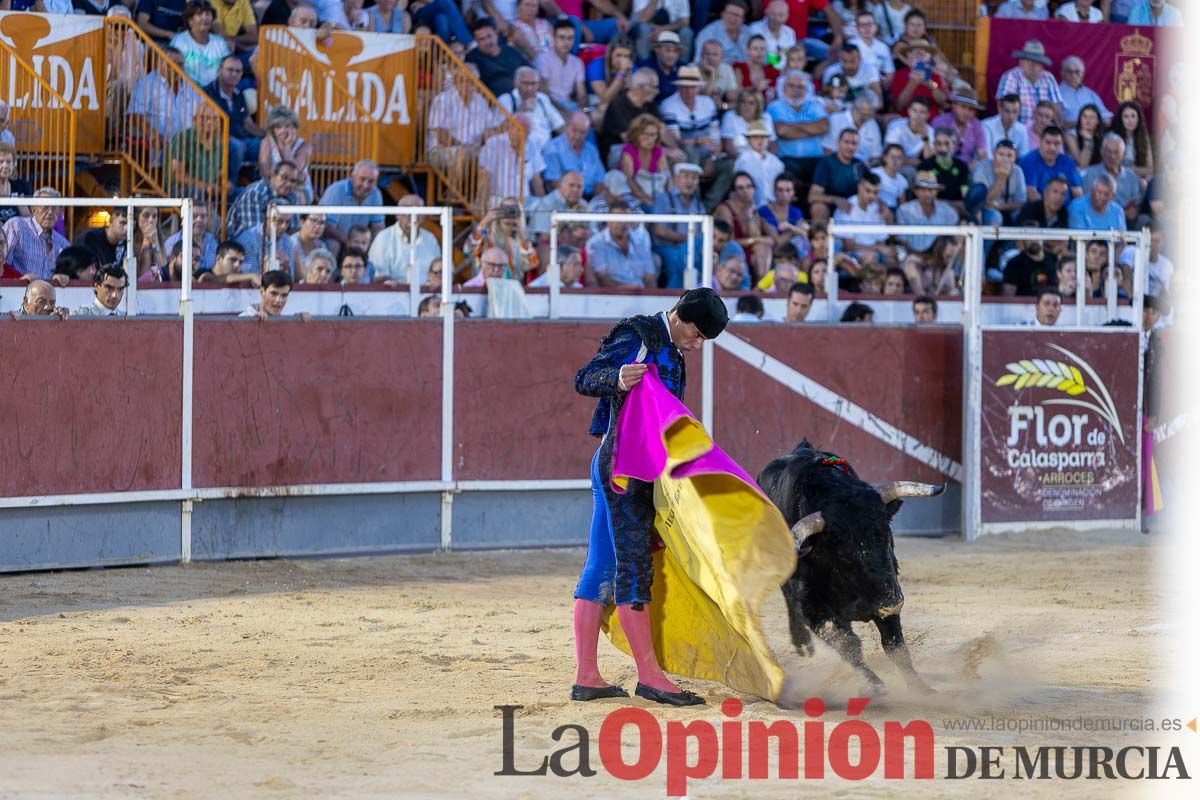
<point x="1059" y="426"/>
<point x="67" y="52"/>
<point x="374" y="69"/>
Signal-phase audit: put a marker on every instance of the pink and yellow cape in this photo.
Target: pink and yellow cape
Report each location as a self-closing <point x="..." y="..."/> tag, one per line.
<point x="727" y="546"/>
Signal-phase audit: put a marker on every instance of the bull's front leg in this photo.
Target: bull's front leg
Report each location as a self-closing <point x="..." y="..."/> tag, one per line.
<point x="841" y="637"/>
<point x="801" y="635"/>
<point x="891" y="635"/>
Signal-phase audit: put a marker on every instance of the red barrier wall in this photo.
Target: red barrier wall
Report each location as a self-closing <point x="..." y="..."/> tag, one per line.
<point x="908" y="377"/>
<point x="90" y="406"/>
<point x="335" y="401"/>
<point x="516" y="413"/>
<point x="356" y="401"/>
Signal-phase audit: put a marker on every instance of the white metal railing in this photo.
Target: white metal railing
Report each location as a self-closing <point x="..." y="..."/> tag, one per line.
<point x="130" y="303"/>
<point x="847" y="230"/>
<point x="975" y="235"/>
<point x="129" y="204"/>
<point x="1081" y="238"/>
<point x="444" y="214"/>
<point x="973" y="258"/>
<point x="690" y="220"/>
<point x="187" y="494"/>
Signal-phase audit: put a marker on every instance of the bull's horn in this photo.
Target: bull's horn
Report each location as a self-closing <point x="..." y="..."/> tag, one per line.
<point x="896" y="489"/>
<point x="814" y="523"/>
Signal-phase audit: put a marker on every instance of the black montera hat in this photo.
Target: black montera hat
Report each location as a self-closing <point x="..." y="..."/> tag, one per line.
<point x="705" y="310"/>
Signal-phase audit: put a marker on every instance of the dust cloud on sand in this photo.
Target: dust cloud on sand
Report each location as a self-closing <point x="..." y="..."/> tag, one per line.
<point x="377" y="677"/>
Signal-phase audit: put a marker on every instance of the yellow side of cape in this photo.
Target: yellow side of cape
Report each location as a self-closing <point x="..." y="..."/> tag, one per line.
<point x="727" y="549"/>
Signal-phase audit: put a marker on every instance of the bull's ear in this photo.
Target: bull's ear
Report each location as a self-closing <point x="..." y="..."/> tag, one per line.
<point x="891" y="509"/>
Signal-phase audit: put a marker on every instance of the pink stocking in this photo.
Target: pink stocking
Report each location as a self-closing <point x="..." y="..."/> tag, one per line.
<point x="587" y="631"/>
<point x="636" y="625"/>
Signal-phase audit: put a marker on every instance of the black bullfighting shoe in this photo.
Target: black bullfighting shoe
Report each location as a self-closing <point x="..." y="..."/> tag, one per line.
<point x="681" y="698"/>
<point x="585" y="693"/>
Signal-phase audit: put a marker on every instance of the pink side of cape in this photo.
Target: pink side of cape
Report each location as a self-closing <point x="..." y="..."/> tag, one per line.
<point x="640" y="450"/>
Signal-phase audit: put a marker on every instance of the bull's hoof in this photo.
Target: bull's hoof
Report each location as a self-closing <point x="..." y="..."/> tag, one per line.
<point x="875" y="680"/>
<point x="921" y="687"/>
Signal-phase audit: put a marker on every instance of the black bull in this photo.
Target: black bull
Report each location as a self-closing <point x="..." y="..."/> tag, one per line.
<point x="847" y="570"/>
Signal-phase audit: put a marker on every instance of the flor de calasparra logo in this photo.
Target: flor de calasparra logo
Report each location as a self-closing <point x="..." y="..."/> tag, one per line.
<point x="1084" y="389"/>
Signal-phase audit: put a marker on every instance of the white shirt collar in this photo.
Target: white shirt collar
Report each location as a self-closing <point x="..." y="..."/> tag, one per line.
<point x="102" y="309"/>
<point x="667" y="324"/>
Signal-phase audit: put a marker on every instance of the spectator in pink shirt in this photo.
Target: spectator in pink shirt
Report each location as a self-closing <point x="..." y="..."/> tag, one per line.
<point x="562" y="73"/>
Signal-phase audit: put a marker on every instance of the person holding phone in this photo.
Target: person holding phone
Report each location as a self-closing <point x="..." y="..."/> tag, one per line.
<point x="918" y="78"/>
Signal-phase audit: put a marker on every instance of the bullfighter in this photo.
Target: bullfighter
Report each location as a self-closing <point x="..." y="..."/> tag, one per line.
<point x="619" y="569"/>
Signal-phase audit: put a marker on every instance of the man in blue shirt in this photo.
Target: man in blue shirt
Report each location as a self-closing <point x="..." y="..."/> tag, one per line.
<point x="1047" y="162"/>
<point x="360" y="189"/>
<point x="497" y="61"/>
<point x="1097" y="211"/>
<point x="800" y="123"/>
<point x="616" y="258"/>
<point x="244" y="133"/>
<point x="571" y="151"/>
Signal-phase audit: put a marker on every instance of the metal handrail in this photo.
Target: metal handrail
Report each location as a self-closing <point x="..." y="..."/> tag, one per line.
<point x="440" y="70"/>
<point x="144" y="157"/>
<point x="49" y="148"/>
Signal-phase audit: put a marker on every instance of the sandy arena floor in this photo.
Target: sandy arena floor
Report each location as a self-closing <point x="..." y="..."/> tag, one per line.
<point x="377" y="677"/>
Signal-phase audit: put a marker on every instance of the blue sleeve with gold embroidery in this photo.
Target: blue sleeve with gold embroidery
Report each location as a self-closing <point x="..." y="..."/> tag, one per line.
<point x="599" y="377"/>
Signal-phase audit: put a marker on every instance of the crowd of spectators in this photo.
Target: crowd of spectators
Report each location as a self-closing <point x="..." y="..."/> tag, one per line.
<point x="775" y="126"/>
<point x="774" y="116"/>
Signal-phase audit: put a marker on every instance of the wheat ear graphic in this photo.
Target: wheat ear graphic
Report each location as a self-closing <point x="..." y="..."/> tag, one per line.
<point x="1045" y="373"/>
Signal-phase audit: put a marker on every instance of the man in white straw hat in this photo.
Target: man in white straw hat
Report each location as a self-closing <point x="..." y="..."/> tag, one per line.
<point x="1030" y="80"/>
<point x="925" y="210"/>
<point x="664" y="62"/>
<point x="692" y="118"/>
<point x="760" y="164"/>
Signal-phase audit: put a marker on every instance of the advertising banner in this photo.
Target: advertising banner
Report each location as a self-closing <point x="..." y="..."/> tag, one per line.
<point x="1059" y="429"/>
<point x="67" y="52"/>
<point x="334" y="84"/>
